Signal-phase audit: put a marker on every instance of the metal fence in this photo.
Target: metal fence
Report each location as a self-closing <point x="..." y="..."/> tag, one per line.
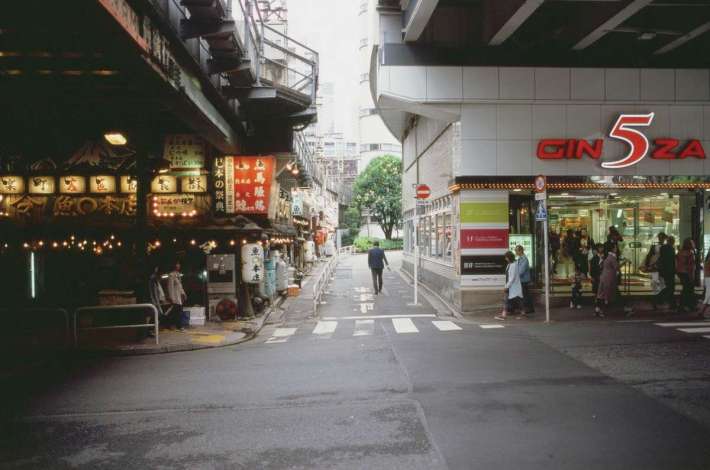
<point x="321" y="282"/>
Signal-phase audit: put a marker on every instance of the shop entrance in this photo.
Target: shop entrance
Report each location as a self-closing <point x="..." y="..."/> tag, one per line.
<point x="638" y="216"/>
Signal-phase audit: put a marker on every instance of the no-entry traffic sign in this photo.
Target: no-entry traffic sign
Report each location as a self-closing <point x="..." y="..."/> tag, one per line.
<point x="423" y="191"/>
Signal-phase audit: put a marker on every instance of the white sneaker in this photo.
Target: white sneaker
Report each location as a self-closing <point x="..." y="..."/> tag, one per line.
<point x="571" y="305"/>
<point x="579" y="307"/>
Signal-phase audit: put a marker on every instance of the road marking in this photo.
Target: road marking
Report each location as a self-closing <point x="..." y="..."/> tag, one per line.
<point x="404" y="325"/>
<point x="325" y="327"/>
<point x="364" y="308"/>
<point x="366" y="297"/>
<point x="364" y="327"/>
<point x="281" y="335"/>
<point x="445" y="325"/>
<point x="694" y="330"/>
<point x="688" y="323"/>
<point x="490" y="327"/>
<point x="378" y="317"/>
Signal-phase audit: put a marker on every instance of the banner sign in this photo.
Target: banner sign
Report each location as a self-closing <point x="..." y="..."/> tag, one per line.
<point x="490" y="264"/>
<point x="484" y="238"/>
<point x="485" y="212"/>
<point x="242" y="185"/>
<point x="175" y="203"/>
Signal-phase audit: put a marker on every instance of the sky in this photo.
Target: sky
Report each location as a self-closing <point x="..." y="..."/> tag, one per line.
<point x="331" y="27"/>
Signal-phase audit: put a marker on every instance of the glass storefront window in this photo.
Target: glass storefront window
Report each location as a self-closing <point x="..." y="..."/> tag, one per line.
<point x="638" y="216"/>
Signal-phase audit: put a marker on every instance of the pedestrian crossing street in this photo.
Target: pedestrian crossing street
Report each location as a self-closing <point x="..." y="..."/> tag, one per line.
<point x="692" y="327"/>
<point x="363" y="325"/>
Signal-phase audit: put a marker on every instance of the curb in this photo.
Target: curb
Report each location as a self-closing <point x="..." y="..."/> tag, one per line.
<point x="431" y="295"/>
<point x="184" y="347"/>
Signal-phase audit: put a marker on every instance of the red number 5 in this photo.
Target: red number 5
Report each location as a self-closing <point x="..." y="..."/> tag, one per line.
<point x="623" y="130"/>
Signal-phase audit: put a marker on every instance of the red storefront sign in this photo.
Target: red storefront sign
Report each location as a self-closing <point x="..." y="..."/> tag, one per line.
<point x="247" y="184"/>
<point x="484" y="238"/>
<point x="625" y="130"/>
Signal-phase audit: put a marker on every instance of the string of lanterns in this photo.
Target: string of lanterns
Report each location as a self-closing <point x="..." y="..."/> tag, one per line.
<point x="111" y="243"/>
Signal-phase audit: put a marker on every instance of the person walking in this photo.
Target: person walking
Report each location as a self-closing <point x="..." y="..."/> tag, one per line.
<point x="376" y="261"/>
<point x="513" y="288"/>
<point x="525" y="281"/>
<point x="608" y="280"/>
<point x="706" y="274"/>
<point x="586" y="247"/>
<point x="176" y="297"/>
<point x="685" y="267"/>
<point x="666" y="271"/>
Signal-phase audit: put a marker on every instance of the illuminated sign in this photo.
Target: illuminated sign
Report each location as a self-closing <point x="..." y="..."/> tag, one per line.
<point x="242" y="185"/>
<point x="194" y="184"/>
<point x="41" y="184"/>
<point x="129" y="184"/>
<point x="102" y="184"/>
<point x="12" y="185"/>
<point x="184" y="151"/>
<point x="72" y="184"/>
<point x="164" y="184"/>
<point x="625" y="130"/>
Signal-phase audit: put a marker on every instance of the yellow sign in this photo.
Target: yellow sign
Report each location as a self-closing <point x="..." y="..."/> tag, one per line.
<point x="12" y="185"/>
<point x="102" y="184"/>
<point x="129" y="184"/>
<point x="72" y="184"/>
<point x="194" y="184"/>
<point x="41" y="184"/>
<point x="164" y="184"/>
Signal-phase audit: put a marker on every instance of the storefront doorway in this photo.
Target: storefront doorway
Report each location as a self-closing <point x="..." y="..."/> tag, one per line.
<point x="638" y="216"/>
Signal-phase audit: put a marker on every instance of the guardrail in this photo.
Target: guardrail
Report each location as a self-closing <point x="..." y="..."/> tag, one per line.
<point x="149" y="308"/>
<point x="345" y="250"/>
<point x="322" y="281"/>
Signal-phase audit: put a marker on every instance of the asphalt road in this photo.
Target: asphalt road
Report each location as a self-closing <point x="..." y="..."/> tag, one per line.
<point x="359" y="388"/>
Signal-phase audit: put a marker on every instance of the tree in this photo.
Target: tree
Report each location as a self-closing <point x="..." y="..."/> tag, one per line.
<point x="352" y="219"/>
<point x="379" y="189"/>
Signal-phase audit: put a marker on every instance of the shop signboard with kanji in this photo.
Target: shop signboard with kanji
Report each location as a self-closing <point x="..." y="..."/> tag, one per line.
<point x="184" y="151"/>
<point x="242" y="185"/>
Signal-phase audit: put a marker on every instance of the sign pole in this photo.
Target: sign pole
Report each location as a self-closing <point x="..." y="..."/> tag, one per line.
<point x="416" y="252"/>
<point x="547" y="271"/>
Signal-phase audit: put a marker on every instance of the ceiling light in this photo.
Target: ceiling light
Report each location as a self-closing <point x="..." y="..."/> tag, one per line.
<point x="115" y="138"/>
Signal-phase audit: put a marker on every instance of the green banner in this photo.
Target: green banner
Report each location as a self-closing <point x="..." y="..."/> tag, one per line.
<point x="484" y="213"/>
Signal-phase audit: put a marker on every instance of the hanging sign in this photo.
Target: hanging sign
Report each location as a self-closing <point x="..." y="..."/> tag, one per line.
<point x="297" y="204"/>
<point x="243" y="185"/>
<point x="12" y="185"/>
<point x="182" y="204"/>
<point x="252" y="263"/>
<point x="102" y="184"/>
<point x="164" y="184"/>
<point x="72" y="184"/>
<point x="41" y="184"/>
<point x="184" y="151"/>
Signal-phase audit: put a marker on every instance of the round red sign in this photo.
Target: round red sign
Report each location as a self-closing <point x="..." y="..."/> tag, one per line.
<point x="423" y="191"/>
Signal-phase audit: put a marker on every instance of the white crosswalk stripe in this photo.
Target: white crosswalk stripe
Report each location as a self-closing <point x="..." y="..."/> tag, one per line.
<point x="325" y="327"/>
<point x="491" y="326"/>
<point x="364" y="327"/>
<point x="281" y="335"/>
<point x="688" y="327"/>
<point x="404" y="325"/>
<point x="445" y="325"/>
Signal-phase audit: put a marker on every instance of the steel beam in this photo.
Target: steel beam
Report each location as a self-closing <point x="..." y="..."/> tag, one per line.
<point x="609" y="25"/>
<point x="676" y="43"/>
<point x="191" y="29"/>
<point x="513" y="19"/>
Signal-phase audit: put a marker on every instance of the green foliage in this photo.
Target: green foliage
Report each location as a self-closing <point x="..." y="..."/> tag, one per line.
<point x="363" y="244"/>
<point x="352" y="219"/>
<point x="379" y="189"/>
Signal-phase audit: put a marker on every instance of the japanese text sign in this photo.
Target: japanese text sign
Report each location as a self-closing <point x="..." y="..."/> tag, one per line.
<point x="184" y="151"/>
<point x="242" y="185"/>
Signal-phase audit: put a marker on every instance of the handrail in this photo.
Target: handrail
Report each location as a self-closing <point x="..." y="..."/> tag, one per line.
<point x="102" y="308"/>
<point x="322" y="281"/>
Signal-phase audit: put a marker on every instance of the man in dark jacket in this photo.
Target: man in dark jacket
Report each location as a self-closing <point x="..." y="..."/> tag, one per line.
<point x="666" y="270"/>
<point x="376" y="260"/>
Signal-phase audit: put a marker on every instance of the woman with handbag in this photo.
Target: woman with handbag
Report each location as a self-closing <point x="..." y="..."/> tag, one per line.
<point x="513" y="287"/>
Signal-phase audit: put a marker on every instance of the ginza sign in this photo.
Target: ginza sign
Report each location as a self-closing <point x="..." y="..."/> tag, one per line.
<point x="627" y="130"/>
